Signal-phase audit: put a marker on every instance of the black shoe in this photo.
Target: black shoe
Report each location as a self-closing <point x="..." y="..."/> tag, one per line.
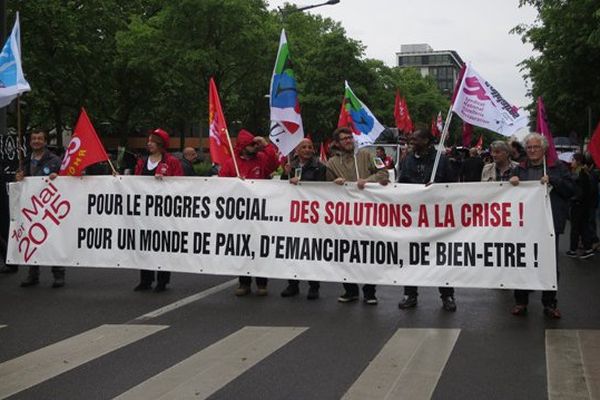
<point x="347" y="298"/>
<point x="313" y="294"/>
<point x="30" y="282"/>
<point x="571" y="253"/>
<point x="5" y="269"/>
<point x="142" y="287"/>
<point x="160" y="287"/>
<point x="291" y="290"/>
<point x="371" y="300"/>
<point x="58" y="283"/>
<point x="448" y="303"/>
<point x="552" y="312"/>
<point x="408" y="302"/>
<point x="586" y="254"/>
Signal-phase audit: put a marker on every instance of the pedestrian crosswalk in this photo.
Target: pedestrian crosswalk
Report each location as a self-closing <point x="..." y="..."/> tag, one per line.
<point x="408" y="366"/>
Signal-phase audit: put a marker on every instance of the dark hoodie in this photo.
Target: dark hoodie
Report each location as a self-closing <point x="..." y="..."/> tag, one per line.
<point x="261" y="166"/>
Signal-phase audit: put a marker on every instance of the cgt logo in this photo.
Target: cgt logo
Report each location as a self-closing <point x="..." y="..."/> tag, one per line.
<point x="474" y="88"/>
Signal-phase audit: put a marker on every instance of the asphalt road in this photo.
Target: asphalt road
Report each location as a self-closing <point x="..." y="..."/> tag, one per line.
<point x="89" y="340"/>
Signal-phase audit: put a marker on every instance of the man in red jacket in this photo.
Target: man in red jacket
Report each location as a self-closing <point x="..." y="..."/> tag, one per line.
<point x="256" y="159"/>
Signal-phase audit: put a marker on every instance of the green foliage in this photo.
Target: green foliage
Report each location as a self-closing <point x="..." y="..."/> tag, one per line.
<point x="565" y="74"/>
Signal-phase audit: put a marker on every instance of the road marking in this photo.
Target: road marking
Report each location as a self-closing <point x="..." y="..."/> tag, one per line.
<point x="407" y="367"/>
<point x="207" y="371"/>
<point x="38" y="366"/>
<point x="573" y="364"/>
<point x="185" y="301"/>
<point x="2" y="326"/>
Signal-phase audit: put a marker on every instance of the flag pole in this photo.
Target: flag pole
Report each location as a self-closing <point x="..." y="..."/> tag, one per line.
<point x="237" y="170"/>
<point x="441" y="144"/>
<point x="356" y="167"/>
<point x="19" y="134"/>
<point x="114" y="171"/>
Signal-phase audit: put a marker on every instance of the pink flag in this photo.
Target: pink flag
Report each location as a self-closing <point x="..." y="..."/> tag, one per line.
<point x="542" y="128"/>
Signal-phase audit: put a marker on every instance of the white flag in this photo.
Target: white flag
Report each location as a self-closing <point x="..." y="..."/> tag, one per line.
<point x="286" y="122"/>
<point x="479" y="103"/>
<point x="12" y="81"/>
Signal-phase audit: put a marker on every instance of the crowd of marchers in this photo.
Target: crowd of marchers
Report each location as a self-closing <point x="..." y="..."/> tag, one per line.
<point x="573" y="191"/>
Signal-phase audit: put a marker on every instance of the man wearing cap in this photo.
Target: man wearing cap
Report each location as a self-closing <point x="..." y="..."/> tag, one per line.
<point x="159" y="163"/>
<point x="256" y="159"/>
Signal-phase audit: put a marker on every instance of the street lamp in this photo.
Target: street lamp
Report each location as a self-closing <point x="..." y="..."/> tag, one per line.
<point x="301" y="9"/>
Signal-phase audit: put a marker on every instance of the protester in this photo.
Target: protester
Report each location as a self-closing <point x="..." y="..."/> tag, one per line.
<point x="582" y="204"/>
<point x="256" y="159"/>
<point x="40" y="162"/>
<point x="501" y="168"/>
<point x="342" y="168"/>
<point x="471" y="167"/>
<point x="304" y="166"/>
<point x="187" y="162"/>
<point x="561" y="190"/>
<point x="387" y="160"/>
<point x="417" y="168"/>
<point x="517" y="152"/>
<point x="159" y="163"/>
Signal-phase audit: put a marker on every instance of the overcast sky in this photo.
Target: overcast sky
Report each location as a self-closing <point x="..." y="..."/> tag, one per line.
<point x="477" y="29"/>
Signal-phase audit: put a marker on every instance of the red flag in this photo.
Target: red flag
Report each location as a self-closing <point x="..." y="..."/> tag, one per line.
<point x="219" y="142"/>
<point x="408" y="124"/>
<point x="434" y="129"/>
<point x="399" y="113"/>
<point x="459" y="79"/>
<point x="594" y="146"/>
<point x="479" y="143"/>
<point x="322" y="153"/>
<point x="439" y="123"/>
<point x="467" y="134"/>
<point x="542" y="128"/>
<point x="84" y="149"/>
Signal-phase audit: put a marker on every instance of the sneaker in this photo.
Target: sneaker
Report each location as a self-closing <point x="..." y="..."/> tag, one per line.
<point x="291" y="290"/>
<point x="142" y="287"/>
<point x="261" y="291"/>
<point x="552" y="312"/>
<point x="408" y="302"/>
<point x="347" y="298"/>
<point x="242" y="290"/>
<point x="58" y="283"/>
<point x="160" y="287"/>
<point x="313" y="294"/>
<point x="448" y="303"/>
<point x="571" y="253"/>
<point x="519" y="309"/>
<point x="30" y="282"/>
<point x="586" y="254"/>
<point x="371" y="300"/>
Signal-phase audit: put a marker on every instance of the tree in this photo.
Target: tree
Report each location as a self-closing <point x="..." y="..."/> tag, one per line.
<point x="565" y="74"/>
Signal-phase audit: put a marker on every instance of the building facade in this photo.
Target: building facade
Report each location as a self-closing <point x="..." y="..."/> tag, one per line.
<point x="442" y="65"/>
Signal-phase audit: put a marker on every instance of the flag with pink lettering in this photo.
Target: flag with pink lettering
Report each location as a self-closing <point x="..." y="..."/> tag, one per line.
<point x="479" y="103"/>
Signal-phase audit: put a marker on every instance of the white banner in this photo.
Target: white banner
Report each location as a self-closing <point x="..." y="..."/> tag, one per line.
<point x="479" y="103"/>
<point x="488" y="235"/>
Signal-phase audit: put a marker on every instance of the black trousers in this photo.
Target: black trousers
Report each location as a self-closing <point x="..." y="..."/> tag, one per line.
<point x="548" y="296"/>
<point x="147" y="277"/>
<point x="579" y="227"/>
<point x="247" y="281"/>
<point x="352" y="289"/>
<point x="414" y="291"/>
<point x="311" y="284"/>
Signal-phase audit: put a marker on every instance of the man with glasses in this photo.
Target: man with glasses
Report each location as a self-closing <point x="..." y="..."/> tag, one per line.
<point x="342" y="168"/>
<point x="561" y="190"/>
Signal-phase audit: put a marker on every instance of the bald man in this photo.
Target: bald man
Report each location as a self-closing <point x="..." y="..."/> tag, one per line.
<point x="189" y="157"/>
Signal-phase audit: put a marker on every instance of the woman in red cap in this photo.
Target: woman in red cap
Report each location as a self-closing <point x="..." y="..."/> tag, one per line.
<point x="159" y="163"/>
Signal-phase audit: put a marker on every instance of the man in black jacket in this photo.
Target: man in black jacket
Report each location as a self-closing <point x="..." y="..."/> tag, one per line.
<point x="417" y="168"/>
<point x="303" y="166"/>
<point x="40" y="162"/>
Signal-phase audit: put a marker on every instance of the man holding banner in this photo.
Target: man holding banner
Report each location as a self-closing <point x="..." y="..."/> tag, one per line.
<point x="40" y="162"/>
<point x="362" y="168"/>
<point x="417" y="168"/>
<point x="562" y="188"/>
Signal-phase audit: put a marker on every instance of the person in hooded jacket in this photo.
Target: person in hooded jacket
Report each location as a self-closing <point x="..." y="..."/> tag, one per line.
<point x="158" y="163"/>
<point x="256" y="159"/>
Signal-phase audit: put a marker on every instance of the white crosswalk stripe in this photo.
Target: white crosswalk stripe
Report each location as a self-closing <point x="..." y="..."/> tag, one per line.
<point x="573" y="364"/>
<point x="2" y="326"/>
<point x="38" y="366"/>
<point x="408" y="367"/>
<point x="202" y="374"/>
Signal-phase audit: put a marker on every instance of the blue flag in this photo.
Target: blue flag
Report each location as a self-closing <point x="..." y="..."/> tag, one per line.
<point x="12" y="81"/>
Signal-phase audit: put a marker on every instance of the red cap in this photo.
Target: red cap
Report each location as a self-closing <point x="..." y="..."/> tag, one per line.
<point x="163" y="135"/>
